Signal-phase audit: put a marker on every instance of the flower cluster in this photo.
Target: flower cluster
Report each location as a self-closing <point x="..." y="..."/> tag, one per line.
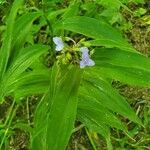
<point x="85" y="58"/>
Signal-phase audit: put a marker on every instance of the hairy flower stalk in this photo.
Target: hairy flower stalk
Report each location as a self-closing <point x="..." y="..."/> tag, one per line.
<point x="86" y="61"/>
<point x="59" y="43"/>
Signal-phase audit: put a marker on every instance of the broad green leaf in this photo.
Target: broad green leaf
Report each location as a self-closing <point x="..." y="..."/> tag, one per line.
<point x="122" y="58"/>
<point x="61" y="101"/>
<point x="126" y="75"/>
<point x="22" y="28"/>
<point x="27" y="56"/>
<point x="90" y="107"/>
<point x="103" y="92"/>
<point x="23" y="25"/>
<point x="94" y="116"/>
<point x="31" y="83"/>
<point x="97" y="29"/>
<point x="93" y="123"/>
<point x="6" y="46"/>
<point x="129" y="67"/>
<point x="108" y="44"/>
<point x="52" y="15"/>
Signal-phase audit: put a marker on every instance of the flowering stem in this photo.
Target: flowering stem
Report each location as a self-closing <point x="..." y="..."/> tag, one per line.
<point x="9" y="121"/>
<point x="91" y="140"/>
<point x="49" y="26"/>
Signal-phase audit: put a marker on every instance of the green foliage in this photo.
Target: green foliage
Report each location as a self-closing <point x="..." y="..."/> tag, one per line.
<point x="15" y="59"/>
<point x="139" y="12"/>
<point x="6" y="47"/>
<point x="101" y="31"/>
<point x="128" y="67"/>
<point x="68" y="93"/>
<point x="55" y="114"/>
<point x="2" y="1"/>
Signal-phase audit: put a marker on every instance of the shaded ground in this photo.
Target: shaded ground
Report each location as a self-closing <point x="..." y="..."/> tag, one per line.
<point x="139" y="36"/>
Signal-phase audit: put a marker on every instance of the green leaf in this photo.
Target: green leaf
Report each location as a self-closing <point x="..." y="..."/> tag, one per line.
<point x="6" y="46"/>
<point x="109" y="44"/>
<point x="97" y="118"/>
<point x="52" y="15"/>
<point x="128" y="67"/>
<point x="23" y="26"/>
<point x="92" y="123"/>
<point x="35" y="82"/>
<point x="127" y="75"/>
<point x="2" y="2"/>
<point x="116" y="4"/>
<point x="97" y="29"/>
<point x="104" y="93"/>
<point x="88" y="106"/>
<point x="27" y="56"/>
<point x="71" y="11"/>
<point x="60" y="111"/>
<point x="122" y="58"/>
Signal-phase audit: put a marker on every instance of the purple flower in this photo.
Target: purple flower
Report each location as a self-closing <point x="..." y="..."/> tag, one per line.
<point x="86" y="61"/>
<point x="59" y="43"/>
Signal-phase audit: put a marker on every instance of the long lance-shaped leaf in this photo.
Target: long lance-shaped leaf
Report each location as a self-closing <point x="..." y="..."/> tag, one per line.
<point x="122" y="58"/>
<point x="103" y="93"/>
<point x="88" y="106"/>
<point x="128" y="67"/>
<point x="29" y="55"/>
<point x="94" y="28"/>
<point x="23" y="26"/>
<point x="61" y="111"/>
<point x="6" y="46"/>
<point x="97" y="118"/>
<point x="23" y="61"/>
<point x="126" y="75"/>
<point x="108" y="43"/>
<point x="94" y="122"/>
<point x="34" y="82"/>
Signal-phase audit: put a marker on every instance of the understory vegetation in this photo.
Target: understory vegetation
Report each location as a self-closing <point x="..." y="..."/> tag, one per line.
<point x="74" y="75"/>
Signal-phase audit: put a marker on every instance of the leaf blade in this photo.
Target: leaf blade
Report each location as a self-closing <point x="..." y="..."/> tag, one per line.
<point x="62" y="110"/>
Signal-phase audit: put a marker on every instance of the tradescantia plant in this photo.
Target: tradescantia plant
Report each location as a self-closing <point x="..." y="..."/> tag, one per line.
<point x="78" y="84"/>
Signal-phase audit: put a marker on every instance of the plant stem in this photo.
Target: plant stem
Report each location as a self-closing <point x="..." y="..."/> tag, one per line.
<point x="9" y="113"/>
<point x="91" y="140"/>
<point x="78" y="128"/>
<point x="28" y="111"/>
<point x="9" y="121"/>
<point x="109" y="145"/>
